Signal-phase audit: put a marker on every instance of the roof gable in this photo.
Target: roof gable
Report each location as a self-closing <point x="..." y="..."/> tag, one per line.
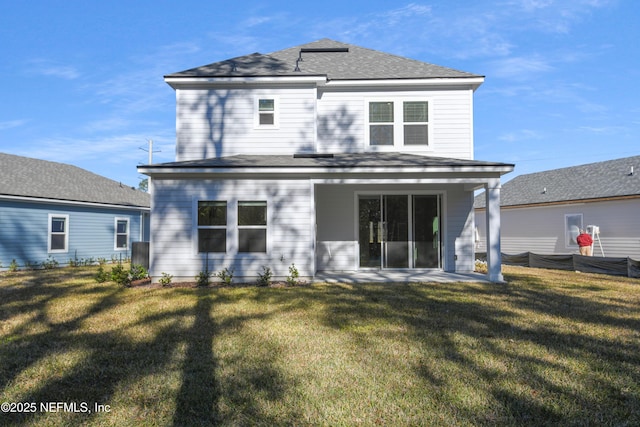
<point x="28" y="177"/>
<point x="608" y="179"/>
<point x="325" y="57"/>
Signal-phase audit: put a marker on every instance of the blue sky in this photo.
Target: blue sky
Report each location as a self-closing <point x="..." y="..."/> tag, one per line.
<point x="83" y="79"/>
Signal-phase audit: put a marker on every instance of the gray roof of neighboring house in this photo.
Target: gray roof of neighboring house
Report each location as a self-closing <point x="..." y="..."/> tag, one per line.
<point x="333" y="59"/>
<point x="608" y="179"/>
<point x="27" y="177"/>
<point x="339" y="160"/>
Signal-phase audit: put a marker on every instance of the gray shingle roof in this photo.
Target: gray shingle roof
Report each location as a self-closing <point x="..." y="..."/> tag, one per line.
<point x="341" y="160"/>
<point x="27" y="177"/>
<point x="357" y="63"/>
<point x="606" y="179"/>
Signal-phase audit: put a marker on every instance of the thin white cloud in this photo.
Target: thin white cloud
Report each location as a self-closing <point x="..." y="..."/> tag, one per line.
<point x="520" y="135"/>
<point x="10" y="124"/>
<point x="520" y="68"/>
<point x="52" y="69"/>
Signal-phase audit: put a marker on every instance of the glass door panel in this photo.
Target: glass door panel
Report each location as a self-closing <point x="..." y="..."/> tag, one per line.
<point x="370" y="231"/>
<point x="426" y="232"/>
<point x="399" y="231"/>
<point x="396" y="231"/>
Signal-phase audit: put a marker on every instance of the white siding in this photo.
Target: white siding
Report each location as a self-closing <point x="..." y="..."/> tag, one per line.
<point x="460" y="233"/>
<point x="541" y="229"/>
<point x="174" y="250"/>
<point x="215" y="123"/>
<point x="341" y="120"/>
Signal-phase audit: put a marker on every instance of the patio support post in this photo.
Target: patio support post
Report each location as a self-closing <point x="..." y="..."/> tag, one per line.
<point x="494" y="258"/>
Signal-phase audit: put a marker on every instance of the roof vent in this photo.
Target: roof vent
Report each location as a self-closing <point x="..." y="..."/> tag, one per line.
<point x="631" y="171"/>
<point x="318" y="50"/>
<point x="313" y="156"/>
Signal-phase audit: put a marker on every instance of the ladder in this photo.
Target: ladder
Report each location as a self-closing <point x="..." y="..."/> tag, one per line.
<point x="594" y="230"/>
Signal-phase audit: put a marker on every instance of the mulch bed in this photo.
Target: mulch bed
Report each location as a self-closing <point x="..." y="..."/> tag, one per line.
<point x="146" y="283"/>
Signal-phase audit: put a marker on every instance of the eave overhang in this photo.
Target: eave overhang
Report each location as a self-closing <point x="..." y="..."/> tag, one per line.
<point x="347" y="167"/>
<point x="177" y="82"/>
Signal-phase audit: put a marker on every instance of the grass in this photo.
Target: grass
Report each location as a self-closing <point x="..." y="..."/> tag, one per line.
<point x="548" y="348"/>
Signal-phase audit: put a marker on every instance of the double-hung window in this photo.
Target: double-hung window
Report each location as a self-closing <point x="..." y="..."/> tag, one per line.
<point x="415" y="116"/>
<point x="266" y="112"/>
<point x="252" y="226"/>
<point x="58" y="233"/>
<point x="122" y="233"/>
<point x="381" y="123"/>
<point x="398" y="123"/>
<point x="212" y="226"/>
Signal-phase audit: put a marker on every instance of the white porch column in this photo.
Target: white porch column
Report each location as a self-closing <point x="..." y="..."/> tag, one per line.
<point x="494" y="259"/>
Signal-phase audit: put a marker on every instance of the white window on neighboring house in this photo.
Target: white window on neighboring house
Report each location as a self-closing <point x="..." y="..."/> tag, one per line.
<point x="58" y="241"/>
<point x="212" y="226"/>
<point x="121" y="242"/>
<point x="398" y="123"/>
<point x="252" y="226"/>
<point x="572" y="227"/>
<point x="266" y="115"/>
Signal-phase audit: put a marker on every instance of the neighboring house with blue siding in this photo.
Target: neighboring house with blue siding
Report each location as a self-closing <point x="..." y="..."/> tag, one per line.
<point x="53" y="211"/>
<point x="329" y="156"/>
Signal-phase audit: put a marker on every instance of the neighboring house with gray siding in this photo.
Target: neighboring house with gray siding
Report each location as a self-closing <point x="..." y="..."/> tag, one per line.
<point x="327" y="155"/>
<point x="542" y="212"/>
<point x="54" y="211"/>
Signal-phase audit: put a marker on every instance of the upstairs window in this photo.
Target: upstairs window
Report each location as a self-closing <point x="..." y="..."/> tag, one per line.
<point x="398" y="123"/>
<point x="381" y="123"/>
<point x="212" y="226"/>
<point x="266" y="115"/>
<point x="252" y="226"/>
<point x="416" y="123"/>
<point x="122" y="234"/>
<point x="58" y="233"/>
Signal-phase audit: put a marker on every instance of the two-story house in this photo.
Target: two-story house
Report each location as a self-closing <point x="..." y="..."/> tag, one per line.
<point x="328" y="156"/>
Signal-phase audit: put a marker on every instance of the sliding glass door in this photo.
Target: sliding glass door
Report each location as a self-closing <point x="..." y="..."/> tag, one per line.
<point x="399" y="231"/>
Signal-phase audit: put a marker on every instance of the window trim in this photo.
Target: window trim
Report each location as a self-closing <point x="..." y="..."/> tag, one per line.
<point x="116" y="234"/>
<point x="264" y="226"/>
<point x="50" y="234"/>
<point x="398" y="124"/>
<point x="198" y="227"/>
<point x="567" y="232"/>
<point x="276" y="112"/>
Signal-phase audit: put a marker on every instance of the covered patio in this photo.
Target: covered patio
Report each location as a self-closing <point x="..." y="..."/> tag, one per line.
<point x="398" y="276"/>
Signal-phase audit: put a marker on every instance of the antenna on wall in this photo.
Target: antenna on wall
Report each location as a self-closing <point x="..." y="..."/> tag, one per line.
<point x="150" y="151"/>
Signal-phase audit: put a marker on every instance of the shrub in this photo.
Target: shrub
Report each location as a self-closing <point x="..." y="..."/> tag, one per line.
<point x="120" y="276"/>
<point x="49" y="263"/>
<point x="202" y="279"/>
<point x="225" y="275"/>
<point x="294" y="274"/>
<point x="13" y="267"/>
<point x="264" y="278"/>
<point x="101" y="276"/>
<point x="138" y="272"/>
<point x="166" y="278"/>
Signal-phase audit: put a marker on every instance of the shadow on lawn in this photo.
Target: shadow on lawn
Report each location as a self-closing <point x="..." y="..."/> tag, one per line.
<point x="111" y="360"/>
<point x="524" y="367"/>
<point x="479" y="332"/>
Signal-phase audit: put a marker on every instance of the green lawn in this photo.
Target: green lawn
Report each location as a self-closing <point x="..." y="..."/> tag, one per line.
<point x="548" y="348"/>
